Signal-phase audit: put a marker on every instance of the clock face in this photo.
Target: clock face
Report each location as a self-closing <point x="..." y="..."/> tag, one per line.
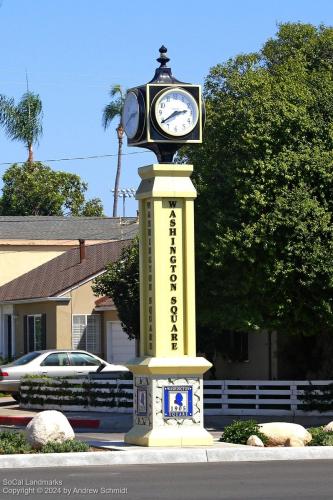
<point x="131" y="115"/>
<point x="176" y="112"/>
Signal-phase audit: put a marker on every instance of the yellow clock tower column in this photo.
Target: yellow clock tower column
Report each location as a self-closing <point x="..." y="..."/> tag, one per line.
<point x="168" y="383"/>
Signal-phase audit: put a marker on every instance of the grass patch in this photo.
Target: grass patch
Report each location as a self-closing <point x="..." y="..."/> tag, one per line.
<point x="240" y="430"/>
<point x="16" y="443"/>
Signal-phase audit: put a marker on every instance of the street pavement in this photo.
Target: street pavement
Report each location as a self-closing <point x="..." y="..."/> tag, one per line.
<point x="297" y="480"/>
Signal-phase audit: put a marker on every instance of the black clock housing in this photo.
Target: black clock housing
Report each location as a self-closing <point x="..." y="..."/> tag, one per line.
<point x="148" y="134"/>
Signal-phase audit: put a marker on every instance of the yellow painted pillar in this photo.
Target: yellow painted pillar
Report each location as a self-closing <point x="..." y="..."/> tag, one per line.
<point x="168" y="385"/>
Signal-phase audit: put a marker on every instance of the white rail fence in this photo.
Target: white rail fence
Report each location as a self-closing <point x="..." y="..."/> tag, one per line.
<point x="221" y="397"/>
<point x="258" y="397"/>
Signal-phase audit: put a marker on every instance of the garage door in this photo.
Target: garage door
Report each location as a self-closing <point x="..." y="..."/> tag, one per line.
<point x="119" y="348"/>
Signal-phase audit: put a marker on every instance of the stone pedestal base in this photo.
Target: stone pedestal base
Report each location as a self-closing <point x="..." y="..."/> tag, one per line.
<point x="168" y="409"/>
<point x="171" y="436"/>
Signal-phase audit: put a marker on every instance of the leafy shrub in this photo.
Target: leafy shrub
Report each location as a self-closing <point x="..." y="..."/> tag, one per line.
<point x="16" y="443"/>
<point x="65" y="447"/>
<point x="240" y="430"/>
<point x="320" y="437"/>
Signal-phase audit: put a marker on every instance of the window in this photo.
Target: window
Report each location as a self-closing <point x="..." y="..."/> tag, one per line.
<point x="34" y="332"/>
<point x="23" y="360"/>
<point x="56" y="359"/>
<point x="82" y="359"/>
<point x="86" y="332"/>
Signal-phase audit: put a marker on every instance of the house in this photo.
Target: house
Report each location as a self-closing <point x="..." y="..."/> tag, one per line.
<point x="28" y="242"/>
<point x="53" y="306"/>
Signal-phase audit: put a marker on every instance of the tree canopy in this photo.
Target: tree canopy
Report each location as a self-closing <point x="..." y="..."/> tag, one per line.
<point x="264" y="175"/>
<point x="36" y="189"/>
<point x="121" y="283"/>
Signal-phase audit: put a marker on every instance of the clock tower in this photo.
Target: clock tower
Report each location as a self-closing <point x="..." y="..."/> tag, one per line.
<point x="162" y="116"/>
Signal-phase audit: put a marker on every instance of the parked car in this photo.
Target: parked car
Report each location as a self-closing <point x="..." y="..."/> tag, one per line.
<point x="54" y="363"/>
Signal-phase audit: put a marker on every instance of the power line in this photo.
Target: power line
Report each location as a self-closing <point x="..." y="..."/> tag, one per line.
<point x="80" y="158"/>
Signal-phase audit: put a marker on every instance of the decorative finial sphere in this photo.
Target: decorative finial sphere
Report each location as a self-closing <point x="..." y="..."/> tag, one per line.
<point x="163" y="59"/>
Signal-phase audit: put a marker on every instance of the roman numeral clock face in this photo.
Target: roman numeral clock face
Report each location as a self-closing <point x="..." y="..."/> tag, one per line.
<point x="175" y="112"/>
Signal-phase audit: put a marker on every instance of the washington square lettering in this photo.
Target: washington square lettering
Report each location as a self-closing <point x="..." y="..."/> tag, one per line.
<point x="173" y="275"/>
<point x="150" y="278"/>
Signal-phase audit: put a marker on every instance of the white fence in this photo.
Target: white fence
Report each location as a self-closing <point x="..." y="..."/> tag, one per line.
<point x="258" y="397"/>
<point x="221" y="397"/>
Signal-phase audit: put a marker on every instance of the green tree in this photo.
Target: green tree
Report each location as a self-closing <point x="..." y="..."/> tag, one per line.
<point x="121" y="283"/>
<point x="36" y="189"/>
<point x="264" y="174"/>
<point x="22" y="121"/>
<point x="111" y="111"/>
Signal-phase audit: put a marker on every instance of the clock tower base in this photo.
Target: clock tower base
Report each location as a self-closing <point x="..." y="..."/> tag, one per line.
<point x="168" y="376"/>
<point x="159" y="384"/>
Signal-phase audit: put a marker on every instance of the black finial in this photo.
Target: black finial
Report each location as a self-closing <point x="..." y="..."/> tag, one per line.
<point x="163" y="74"/>
<point x="163" y="59"/>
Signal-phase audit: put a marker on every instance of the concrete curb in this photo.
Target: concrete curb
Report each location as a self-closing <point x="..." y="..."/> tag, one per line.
<point x="86" y="423"/>
<point x="165" y="456"/>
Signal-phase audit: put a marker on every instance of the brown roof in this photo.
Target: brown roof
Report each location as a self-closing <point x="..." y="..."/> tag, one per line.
<point x="62" y="273"/>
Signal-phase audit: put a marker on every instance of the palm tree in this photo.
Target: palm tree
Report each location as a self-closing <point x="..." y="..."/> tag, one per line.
<point x="114" y="110"/>
<point x="22" y="122"/>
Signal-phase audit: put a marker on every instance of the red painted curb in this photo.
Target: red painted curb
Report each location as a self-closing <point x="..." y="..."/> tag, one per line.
<point x="75" y="422"/>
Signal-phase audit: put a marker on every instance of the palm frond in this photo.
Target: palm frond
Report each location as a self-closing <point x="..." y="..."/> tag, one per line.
<point x="7" y="107"/>
<point x="22" y="121"/>
<point x="116" y="89"/>
<point x="112" y="110"/>
<point x="115" y="107"/>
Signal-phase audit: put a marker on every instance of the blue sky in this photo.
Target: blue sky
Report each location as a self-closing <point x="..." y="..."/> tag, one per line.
<point x="74" y="50"/>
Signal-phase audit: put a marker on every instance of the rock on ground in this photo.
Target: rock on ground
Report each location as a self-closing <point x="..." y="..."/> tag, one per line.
<point x="328" y="427"/>
<point x="46" y="426"/>
<point x="278" y="433"/>
<point x="255" y="441"/>
<point x="294" y="442"/>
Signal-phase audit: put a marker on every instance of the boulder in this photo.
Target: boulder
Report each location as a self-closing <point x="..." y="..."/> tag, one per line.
<point x="278" y="433"/>
<point x="328" y="427"/>
<point x="255" y="441"/>
<point x="294" y="442"/>
<point x="46" y="426"/>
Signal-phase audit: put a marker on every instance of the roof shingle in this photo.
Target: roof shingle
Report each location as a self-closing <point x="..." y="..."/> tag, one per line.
<point x="67" y="228"/>
<point x="62" y="273"/>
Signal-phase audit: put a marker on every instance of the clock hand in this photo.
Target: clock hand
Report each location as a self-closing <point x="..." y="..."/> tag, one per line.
<point x="130" y="117"/>
<point x="175" y="113"/>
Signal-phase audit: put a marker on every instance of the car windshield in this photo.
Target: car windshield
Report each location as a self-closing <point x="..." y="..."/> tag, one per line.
<point x="25" y="359"/>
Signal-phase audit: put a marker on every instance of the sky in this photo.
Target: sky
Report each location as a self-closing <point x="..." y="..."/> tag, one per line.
<point x="73" y="51"/>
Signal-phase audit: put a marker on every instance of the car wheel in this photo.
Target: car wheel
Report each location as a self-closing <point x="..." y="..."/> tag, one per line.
<point x="16" y="396"/>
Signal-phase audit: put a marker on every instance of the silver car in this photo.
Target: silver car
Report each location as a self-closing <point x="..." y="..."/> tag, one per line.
<point x="54" y="363"/>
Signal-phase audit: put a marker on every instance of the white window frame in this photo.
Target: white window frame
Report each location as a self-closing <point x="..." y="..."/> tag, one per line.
<point x="90" y="345"/>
